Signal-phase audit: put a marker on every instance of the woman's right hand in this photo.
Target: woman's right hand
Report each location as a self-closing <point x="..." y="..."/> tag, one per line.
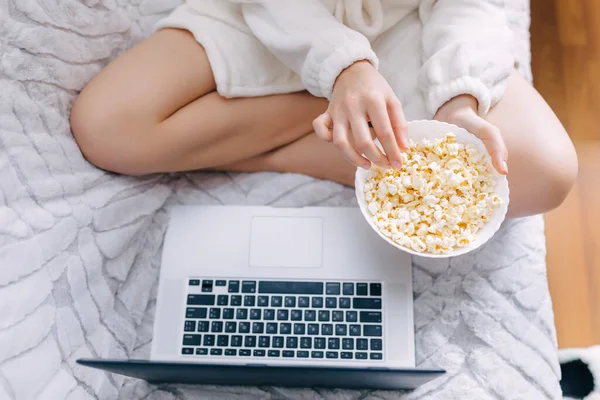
<point x="361" y="95"/>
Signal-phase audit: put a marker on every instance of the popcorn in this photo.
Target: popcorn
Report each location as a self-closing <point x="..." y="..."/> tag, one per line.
<point x="438" y="201"/>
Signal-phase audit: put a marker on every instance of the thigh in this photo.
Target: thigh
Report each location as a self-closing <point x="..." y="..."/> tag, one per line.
<point x="542" y="161"/>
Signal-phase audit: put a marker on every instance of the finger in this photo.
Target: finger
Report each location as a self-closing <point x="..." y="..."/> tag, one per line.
<point x="364" y="142"/>
<point x="398" y="121"/>
<point x="492" y="138"/>
<point x="323" y="126"/>
<point x="382" y="126"/>
<point x="342" y="142"/>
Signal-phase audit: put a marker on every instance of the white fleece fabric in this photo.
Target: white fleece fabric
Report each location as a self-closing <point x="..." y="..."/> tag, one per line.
<point x="465" y="44"/>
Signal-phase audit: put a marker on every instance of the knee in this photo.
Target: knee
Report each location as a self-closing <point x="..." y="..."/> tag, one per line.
<point x="104" y="135"/>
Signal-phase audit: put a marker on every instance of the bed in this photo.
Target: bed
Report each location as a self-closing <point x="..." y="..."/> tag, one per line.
<point x="80" y="248"/>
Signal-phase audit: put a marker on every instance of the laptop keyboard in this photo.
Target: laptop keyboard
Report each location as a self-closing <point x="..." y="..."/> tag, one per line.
<point x="284" y="319"/>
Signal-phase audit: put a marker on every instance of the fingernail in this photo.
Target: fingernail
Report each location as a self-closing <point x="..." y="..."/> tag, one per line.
<point x="366" y="166"/>
<point x="396" y="164"/>
<point x="505" y="166"/>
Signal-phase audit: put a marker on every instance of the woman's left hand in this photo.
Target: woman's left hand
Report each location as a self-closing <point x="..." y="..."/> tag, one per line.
<point x="462" y="111"/>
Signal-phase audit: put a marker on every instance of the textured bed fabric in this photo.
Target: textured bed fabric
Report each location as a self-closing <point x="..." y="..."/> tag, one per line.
<point x="80" y="248"/>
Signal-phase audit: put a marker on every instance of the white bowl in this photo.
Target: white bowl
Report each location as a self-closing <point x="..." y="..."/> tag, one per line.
<point x="418" y="130"/>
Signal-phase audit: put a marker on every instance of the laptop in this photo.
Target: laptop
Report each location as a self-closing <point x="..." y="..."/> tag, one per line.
<point x="306" y="297"/>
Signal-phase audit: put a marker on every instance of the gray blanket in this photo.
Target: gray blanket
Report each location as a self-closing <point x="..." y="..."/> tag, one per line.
<point x="80" y="248"/>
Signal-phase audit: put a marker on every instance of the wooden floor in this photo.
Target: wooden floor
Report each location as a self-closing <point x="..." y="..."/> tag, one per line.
<point x="566" y="70"/>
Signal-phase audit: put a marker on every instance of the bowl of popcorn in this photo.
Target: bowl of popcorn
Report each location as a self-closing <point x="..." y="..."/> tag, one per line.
<point x="446" y="200"/>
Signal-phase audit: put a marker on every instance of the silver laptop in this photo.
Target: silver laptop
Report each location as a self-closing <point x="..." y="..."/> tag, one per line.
<point x="282" y="286"/>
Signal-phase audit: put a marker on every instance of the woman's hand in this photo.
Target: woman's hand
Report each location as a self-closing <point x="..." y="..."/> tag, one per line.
<point x="361" y="95"/>
<point x="462" y="111"/>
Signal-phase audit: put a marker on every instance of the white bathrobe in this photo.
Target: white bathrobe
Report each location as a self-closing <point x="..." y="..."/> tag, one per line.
<point x="429" y="50"/>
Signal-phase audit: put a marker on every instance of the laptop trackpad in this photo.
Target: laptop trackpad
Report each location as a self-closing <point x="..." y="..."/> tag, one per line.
<point x="286" y="242"/>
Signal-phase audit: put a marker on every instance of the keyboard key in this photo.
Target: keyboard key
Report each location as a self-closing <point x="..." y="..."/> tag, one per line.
<point x="288" y="353"/>
<point x="346" y="355"/>
<point x="263" y="301"/>
<point x="241" y="313"/>
<point x="375" y="289"/>
<point x="360" y="303"/>
<point x="372" y="330"/>
<point x="195" y="312"/>
<point x="255" y="313"/>
<point x="244" y="327"/>
<point x="258" y="327"/>
<point x="313" y="329"/>
<point x="370" y="316"/>
<point x="376" y="344"/>
<point x="376" y="356"/>
<point x="296" y="315"/>
<point x="249" y="300"/>
<point x="236" y="341"/>
<point x="351" y="316"/>
<point x="264" y="341"/>
<point x="276" y="301"/>
<point x="285" y="328"/>
<point x="250" y="341"/>
<point x="234" y="287"/>
<point x="273" y="353"/>
<point x="348" y="289"/>
<point x="194" y="282"/>
<point x="362" y="344"/>
<point x="269" y="314"/>
<point x="324" y="315"/>
<point x="317" y="302"/>
<point x="248" y="287"/>
<point x="316" y="354"/>
<point x="310" y="315"/>
<point x="341" y="330"/>
<point x="327" y="329"/>
<point x="222" y="340"/>
<point x="305" y="342"/>
<point x="230" y="326"/>
<point x="220" y="283"/>
<point x="348" y="344"/>
<point x="354" y="330"/>
<point x="187" y="350"/>
<point x="209" y="340"/>
<point x="330" y="302"/>
<point x="361" y="289"/>
<point x="320" y="343"/>
<point x="192" y="340"/>
<point x="203" y="326"/>
<point x="259" y="353"/>
<point x="299" y="329"/>
<point x="331" y="354"/>
<point x="207" y="285"/>
<point x="228" y="313"/>
<point x="337" y="316"/>
<point x="222" y="299"/>
<point x="344" y="302"/>
<point x="244" y="352"/>
<point x="201" y="351"/>
<point x="333" y="343"/>
<point x="236" y="300"/>
<point x="332" y="288"/>
<point x="201" y="299"/>
<point x="291" y="342"/>
<point x="361" y="356"/>
<point x="216" y="326"/>
<point x="230" y="352"/>
<point x="282" y="315"/>
<point x="303" y="301"/>
<point x="302" y="354"/>
<point x="272" y="327"/>
<point x="278" y="342"/>
<point x="290" y="301"/>
<point x="215" y="313"/>
<point x="280" y="287"/>
<point x="189" y="326"/>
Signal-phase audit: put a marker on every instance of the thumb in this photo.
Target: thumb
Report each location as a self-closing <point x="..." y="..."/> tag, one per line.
<point x="493" y="140"/>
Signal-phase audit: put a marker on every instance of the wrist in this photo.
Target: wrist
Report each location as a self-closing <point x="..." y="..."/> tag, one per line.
<point x="459" y="104"/>
<point x="355" y="68"/>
